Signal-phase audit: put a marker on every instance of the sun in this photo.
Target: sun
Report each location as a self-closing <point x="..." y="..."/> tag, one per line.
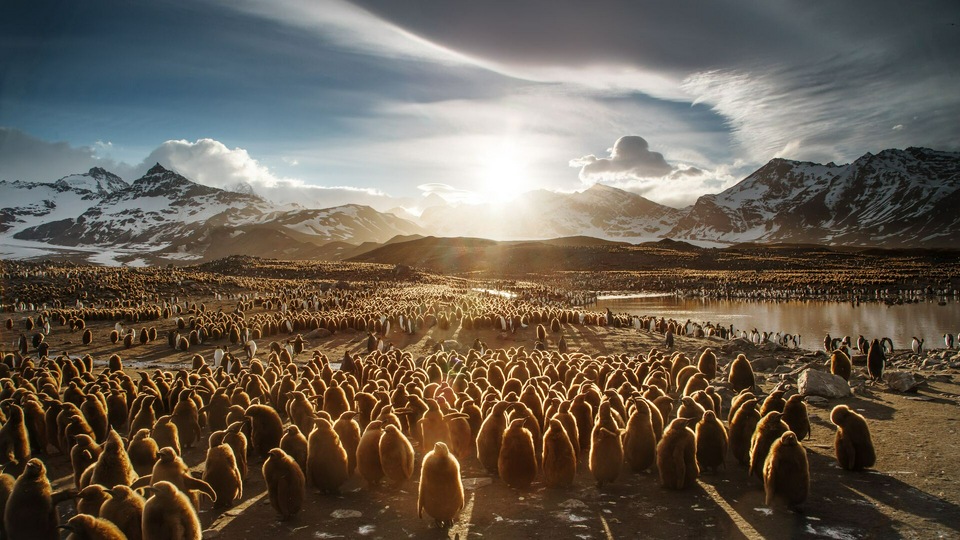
<point x="504" y="173"/>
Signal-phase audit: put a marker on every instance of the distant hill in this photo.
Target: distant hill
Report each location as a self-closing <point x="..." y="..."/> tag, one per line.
<point x="164" y="216"/>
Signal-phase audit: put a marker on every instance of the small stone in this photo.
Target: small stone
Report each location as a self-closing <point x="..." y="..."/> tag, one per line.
<point x="343" y="514"/>
<point x="210" y="533"/>
<point x="818" y="383"/>
<point x="474" y="483"/>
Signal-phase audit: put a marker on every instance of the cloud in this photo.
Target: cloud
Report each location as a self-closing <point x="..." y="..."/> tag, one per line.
<point x="212" y="163"/>
<point x="780" y="74"/>
<point x="25" y="157"/>
<point x="633" y="167"/>
<point x="630" y="157"/>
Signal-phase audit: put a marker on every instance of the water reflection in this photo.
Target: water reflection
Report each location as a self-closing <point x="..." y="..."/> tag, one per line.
<point x="810" y="319"/>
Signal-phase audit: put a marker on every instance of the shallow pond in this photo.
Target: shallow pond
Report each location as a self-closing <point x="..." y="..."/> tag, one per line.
<point x="812" y="320"/>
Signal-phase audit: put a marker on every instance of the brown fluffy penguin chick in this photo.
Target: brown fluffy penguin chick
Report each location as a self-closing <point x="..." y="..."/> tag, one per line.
<point x="142" y="452"/>
<point x="295" y="445"/>
<point x="690" y="409"/>
<point x="711" y="442"/>
<point x="796" y="417"/>
<point x="432" y="428"/>
<point x="6" y="488"/>
<point x="853" y="444"/>
<point x="220" y="471"/>
<point x="490" y="437"/>
<point x="95" y="414"/>
<point x="88" y="527"/>
<point x="707" y="364"/>
<point x="606" y="455"/>
<point x="786" y="472"/>
<point x="30" y="513"/>
<point x="168" y="515"/>
<point x="125" y="510"/>
<point x="186" y="416"/>
<point x="348" y="429"/>
<point x="517" y="462"/>
<point x="91" y="498"/>
<point x="326" y="458"/>
<point x="741" y="374"/>
<point x="462" y="443"/>
<point x="83" y="454"/>
<point x="266" y="429"/>
<point x="441" y="488"/>
<point x="171" y="468"/>
<point x="769" y="429"/>
<point x="677" y="455"/>
<point x="840" y="364"/>
<point x="396" y="455"/>
<point x="14" y="442"/>
<point x="166" y="434"/>
<point x="238" y="441"/>
<point x="742" y="426"/>
<point x="113" y="467"/>
<point x="368" y="454"/>
<point x="639" y="438"/>
<point x="286" y="484"/>
<point x="559" y="458"/>
<point x="737" y="401"/>
<point x="773" y="402"/>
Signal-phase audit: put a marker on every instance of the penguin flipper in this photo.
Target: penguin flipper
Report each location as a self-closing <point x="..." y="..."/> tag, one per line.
<point x="190" y="482"/>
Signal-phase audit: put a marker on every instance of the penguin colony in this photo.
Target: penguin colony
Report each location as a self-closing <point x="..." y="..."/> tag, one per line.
<point x="291" y="415"/>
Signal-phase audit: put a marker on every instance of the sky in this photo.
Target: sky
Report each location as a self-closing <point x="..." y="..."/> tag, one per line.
<point x="383" y="103"/>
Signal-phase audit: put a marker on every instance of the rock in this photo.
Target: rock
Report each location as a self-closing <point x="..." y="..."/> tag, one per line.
<point x="818" y="383"/>
<point x="769" y="346"/>
<point x="451" y="345"/>
<point x="210" y="533"/>
<point x="319" y="333"/>
<point x="931" y="362"/>
<point x="815" y="399"/>
<point x="572" y="504"/>
<point x="764" y="364"/>
<point x="859" y="359"/>
<point x="739" y="344"/>
<point x="901" y="381"/>
<point x="945" y="355"/>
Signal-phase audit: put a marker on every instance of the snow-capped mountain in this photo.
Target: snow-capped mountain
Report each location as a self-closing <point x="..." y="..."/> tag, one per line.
<point x="28" y="204"/>
<point x="896" y="198"/>
<point x="171" y="217"/>
<point x="600" y="211"/>
<point x="97" y="181"/>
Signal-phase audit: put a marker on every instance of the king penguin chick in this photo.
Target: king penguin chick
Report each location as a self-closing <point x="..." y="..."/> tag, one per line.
<point x="168" y="515"/>
<point x="286" y="484"/>
<point x="396" y="455"/>
<point x="786" y="472"/>
<point x="441" y="488"/>
<point x="677" y="455"/>
<point x="124" y="509"/>
<point x="517" y="461"/>
<point x="221" y="472"/>
<point x="853" y="444"/>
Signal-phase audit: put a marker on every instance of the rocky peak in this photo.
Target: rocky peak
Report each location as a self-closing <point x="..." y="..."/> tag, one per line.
<point x="156" y="169"/>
